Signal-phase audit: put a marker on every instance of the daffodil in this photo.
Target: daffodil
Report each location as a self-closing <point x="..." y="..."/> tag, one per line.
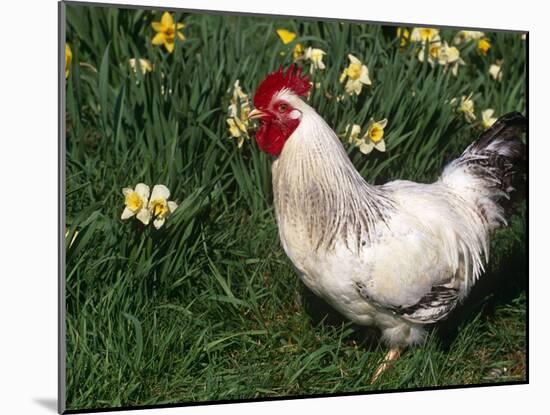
<point x="403" y="34"/>
<point x="298" y="51"/>
<point x="487" y="118"/>
<point x="372" y="139"/>
<point x="423" y="34"/>
<point x="238" y="111"/>
<point x="167" y="31"/>
<point x="136" y="203"/>
<point x="483" y="46"/>
<point x="357" y="75"/>
<point x="159" y="207"/>
<point x="466" y="107"/>
<point x="496" y="71"/>
<point x="354" y="134"/>
<point x="286" y="36"/>
<point x="238" y="130"/>
<point x="434" y="48"/>
<point x="466" y="36"/>
<point x="68" y="59"/>
<point x="315" y="56"/>
<point x="144" y="64"/>
<point x="449" y="57"/>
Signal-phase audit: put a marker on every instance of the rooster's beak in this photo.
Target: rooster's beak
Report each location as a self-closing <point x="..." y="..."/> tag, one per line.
<point x="256" y="113"/>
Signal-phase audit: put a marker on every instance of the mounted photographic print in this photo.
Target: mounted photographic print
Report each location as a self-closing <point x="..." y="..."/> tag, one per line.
<point x="278" y="207"/>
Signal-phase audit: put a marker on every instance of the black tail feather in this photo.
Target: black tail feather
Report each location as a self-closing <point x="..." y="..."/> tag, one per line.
<point x="505" y="157"/>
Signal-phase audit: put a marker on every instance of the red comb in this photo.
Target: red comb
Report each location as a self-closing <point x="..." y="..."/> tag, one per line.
<point x="278" y="80"/>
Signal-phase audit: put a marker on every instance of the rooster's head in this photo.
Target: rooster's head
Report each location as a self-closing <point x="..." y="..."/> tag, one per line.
<point x="276" y="106"/>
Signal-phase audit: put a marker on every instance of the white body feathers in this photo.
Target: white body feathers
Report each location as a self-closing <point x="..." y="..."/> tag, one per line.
<point x="396" y="256"/>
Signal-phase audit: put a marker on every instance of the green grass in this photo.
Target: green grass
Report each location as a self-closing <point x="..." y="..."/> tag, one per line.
<point x="209" y="307"/>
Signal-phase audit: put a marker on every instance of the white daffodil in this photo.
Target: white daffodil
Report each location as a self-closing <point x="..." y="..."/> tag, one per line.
<point x="423" y="34"/>
<point x="144" y="64"/>
<point x="159" y="206"/>
<point x="434" y="49"/>
<point x="487" y="118"/>
<point x="238" y="111"/>
<point x="495" y="71"/>
<point x="357" y="74"/>
<point x="466" y="107"/>
<point x="449" y="56"/>
<point x="315" y="56"/>
<point x="466" y="36"/>
<point x="136" y="203"/>
<point x="374" y="137"/>
<point x="238" y="130"/>
<point x="354" y="134"/>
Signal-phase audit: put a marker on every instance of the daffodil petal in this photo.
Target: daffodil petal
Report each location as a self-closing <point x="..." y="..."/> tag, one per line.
<point x="167" y="20"/>
<point x="158" y="39"/>
<point x="160" y="191"/>
<point x="144" y="216"/>
<point x="158" y="223"/>
<point x="180" y="26"/>
<point x="127" y="213"/>
<point x="366" y="148"/>
<point x="353" y="59"/>
<point x="172" y="206"/>
<point x="143" y="190"/>
<point x="157" y="26"/>
<point x="127" y="191"/>
<point x="181" y="36"/>
<point x="169" y="46"/>
<point x="380" y="146"/>
<point x="383" y="123"/>
<point x="364" y="77"/>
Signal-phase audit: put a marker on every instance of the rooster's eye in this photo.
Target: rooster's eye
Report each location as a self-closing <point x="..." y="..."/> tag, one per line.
<point x="283" y="107"/>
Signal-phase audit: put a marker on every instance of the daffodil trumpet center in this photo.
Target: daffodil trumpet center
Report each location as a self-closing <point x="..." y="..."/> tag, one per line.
<point x="134" y="202"/>
<point x="354" y="71"/>
<point x="376" y="133"/>
<point x="159" y="208"/>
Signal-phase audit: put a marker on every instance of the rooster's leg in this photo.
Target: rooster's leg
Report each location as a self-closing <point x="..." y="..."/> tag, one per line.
<point x="391" y="357"/>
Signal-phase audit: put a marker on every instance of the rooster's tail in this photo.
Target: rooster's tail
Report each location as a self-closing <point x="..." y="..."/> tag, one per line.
<point x="491" y="171"/>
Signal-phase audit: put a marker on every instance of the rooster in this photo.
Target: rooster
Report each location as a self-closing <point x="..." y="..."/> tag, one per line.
<point x="399" y="256"/>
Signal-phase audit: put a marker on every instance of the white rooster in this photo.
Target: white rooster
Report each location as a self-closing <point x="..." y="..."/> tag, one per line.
<point x="397" y="256"/>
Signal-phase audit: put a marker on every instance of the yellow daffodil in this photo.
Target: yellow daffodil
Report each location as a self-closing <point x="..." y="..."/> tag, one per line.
<point x="423" y="34"/>
<point x="315" y="56"/>
<point x="449" y="57"/>
<point x="144" y="64"/>
<point x="487" y="118"/>
<point x="403" y="34"/>
<point x="483" y="46"/>
<point x="357" y="75"/>
<point x="466" y="107"/>
<point x="466" y="36"/>
<point x="167" y="31"/>
<point x="136" y="203"/>
<point x="495" y="71"/>
<point x="298" y="51"/>
<point x="286" y="36"/>
<point x="68" y="59"/>
<point x="159" y="206"/>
